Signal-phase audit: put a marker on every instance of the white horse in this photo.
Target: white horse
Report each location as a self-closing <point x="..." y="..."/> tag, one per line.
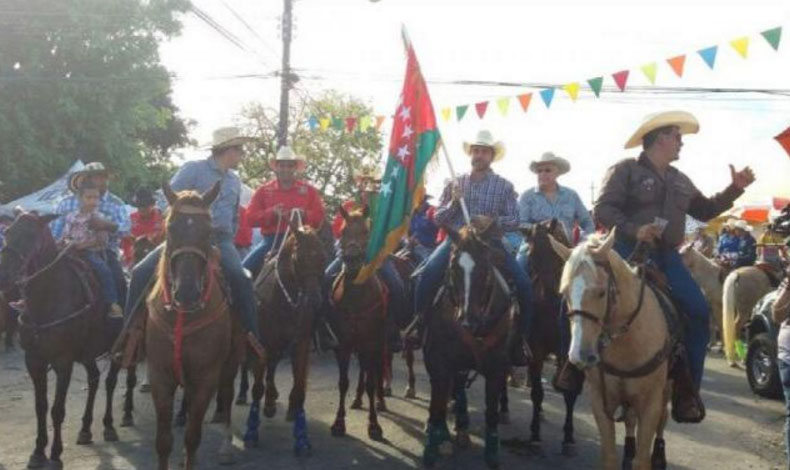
<point x="741" y="291"/>
<point x="708" y="276"/>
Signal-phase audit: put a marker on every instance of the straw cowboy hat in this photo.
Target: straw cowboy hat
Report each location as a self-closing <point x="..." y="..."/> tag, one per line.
<point x="225" y="137"/>
<point x="741" y="224"/>
<point x="685" y="121"/>
<point x="286" y="154"/>
<point x="486" y="139"/>
<point x="92" y="168"/>
<point x="563" y="166"/>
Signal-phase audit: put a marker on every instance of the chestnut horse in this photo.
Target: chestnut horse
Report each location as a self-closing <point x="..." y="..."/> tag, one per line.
<point x="191" y="338"/>
<point x="288" y="289"/>
<point x="63" y="323"/>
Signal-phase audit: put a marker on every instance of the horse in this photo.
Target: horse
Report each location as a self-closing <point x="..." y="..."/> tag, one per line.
<point x="710" y="277"/>
<point x="742" y="289"/>
<point x="622" y="339"/>
<point x="545" y="268"/>
<point x="468" y="328"/>
<point x="288" y="289"/>
<point x="191" y="338"/>
<point x="63" y="323"/>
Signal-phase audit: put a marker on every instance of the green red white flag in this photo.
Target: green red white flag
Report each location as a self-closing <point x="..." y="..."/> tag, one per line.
<point x="414" y="141"/>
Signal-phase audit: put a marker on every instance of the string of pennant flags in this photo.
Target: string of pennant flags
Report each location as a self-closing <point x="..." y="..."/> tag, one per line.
<point x="620" y="78"/>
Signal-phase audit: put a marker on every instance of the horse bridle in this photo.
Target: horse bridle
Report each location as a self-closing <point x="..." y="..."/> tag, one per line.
<point x="208" y="280"/>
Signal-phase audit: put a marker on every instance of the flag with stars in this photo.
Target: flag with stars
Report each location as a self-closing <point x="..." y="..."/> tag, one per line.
<point x="413" y="143"/>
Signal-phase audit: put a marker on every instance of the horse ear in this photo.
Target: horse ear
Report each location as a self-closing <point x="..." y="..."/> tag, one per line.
<point x="294" y="226"/>
<point x="562" y="251"/>
<point x="209" y="196"/>
<point x="455" y="237"/>
<point x="46" y="219"/>
<point x="343" y="212"/>
<point x="170" y="195"/>
<point x="552" y="225"/>
<point x="684" y="249"/>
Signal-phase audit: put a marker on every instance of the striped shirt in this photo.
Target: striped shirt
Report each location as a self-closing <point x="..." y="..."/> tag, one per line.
<point x="492" y="196"/>
<point x="110" y="206"/>
<point x="534" y="207"/>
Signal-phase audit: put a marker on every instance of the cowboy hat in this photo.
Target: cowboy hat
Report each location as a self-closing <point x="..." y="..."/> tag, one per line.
<point x="143" y="197"/>
<point x="369" y="173"/>
<point x="685" y="121"/>
<point x="286" y="154"/>
<point x="225" y="137"/>
<point x="486" y="139"/>
<point x="741" y="224"/>
<point x="563" y="166"/>
<point x="92" y="168"/>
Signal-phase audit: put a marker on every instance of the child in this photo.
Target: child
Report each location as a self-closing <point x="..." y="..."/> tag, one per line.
<point x="89" y="232"/>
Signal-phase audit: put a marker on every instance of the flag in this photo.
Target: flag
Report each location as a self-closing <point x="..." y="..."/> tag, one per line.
<point x="784" y="140"/>
<point x="413" y="143"/>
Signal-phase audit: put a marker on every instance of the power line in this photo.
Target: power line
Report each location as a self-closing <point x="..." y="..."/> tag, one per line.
<point x="249" y="28"/>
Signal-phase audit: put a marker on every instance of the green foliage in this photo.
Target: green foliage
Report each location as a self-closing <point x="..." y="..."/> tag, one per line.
<point x="333" y="156"/>
<point x="83" y="79"/>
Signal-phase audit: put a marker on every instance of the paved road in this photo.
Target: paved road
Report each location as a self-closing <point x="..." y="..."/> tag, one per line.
<point x="740" y="432"/>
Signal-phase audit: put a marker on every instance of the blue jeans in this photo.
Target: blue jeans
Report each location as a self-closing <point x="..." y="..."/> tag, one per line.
<point x="240" y="285"/>
<point x="106" y="279"/>
<point x="114" y="263"/>
<point x="431" y="273"/>
<point x="784" y="375"/>
<point x="254" y="260"/>
<point x="689" y="298"/>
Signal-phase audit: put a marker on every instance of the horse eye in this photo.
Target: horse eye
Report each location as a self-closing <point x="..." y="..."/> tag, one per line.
<point x="601" y="294"/>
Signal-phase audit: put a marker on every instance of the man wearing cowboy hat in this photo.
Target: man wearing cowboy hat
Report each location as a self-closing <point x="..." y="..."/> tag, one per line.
<point x="147" y="221"/>
<point x="276" y="200"/>
<point x="487" y="194"/>
<point x="747" y="245"/>
<point x="111" y="207"/>
<point x="368" y="182"/>
<point x="647" y="200"/>
<point x="201" y="175"/>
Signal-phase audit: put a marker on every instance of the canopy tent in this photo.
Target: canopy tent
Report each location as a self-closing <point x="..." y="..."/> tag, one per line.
<point x="45" y="200"/>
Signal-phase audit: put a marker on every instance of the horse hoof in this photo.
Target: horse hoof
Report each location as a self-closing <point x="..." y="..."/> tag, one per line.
<point x="535" y="448"/>
<point x="110" y="435"/>
<point x="241" y="400"/>
<point x="504" y="418"/>
<point x="381" y="406"/>
<point x="387" y="391"/>
<point x="84" y="438"/>
<point x="410" y="393"/>
<point x="375" y="432"/>
<point x="218" y="418"/>
<point x="250" y="440"/>
<point x="127" y="421"/>
<point x="569" y="449"/>
<point x="269" y="410"/>
<point x="303" y="449"/>
<point x="37" y="461"/>
<point x="290" y="415"/>
<point x="339" y="428"/>
<point x="55" y="465"/>
<point x="462" y="440"/>
<point x="145" y="388"/>
<point x="356" y="405"/>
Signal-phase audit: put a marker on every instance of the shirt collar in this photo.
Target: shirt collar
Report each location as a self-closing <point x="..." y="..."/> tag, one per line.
<point x="212" y="163"/>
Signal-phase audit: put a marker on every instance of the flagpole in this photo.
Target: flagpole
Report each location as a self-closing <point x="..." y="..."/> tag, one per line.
<point x="464" y="209"/>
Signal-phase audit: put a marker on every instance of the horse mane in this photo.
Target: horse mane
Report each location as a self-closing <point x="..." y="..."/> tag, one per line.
<point x="582" y="256"/>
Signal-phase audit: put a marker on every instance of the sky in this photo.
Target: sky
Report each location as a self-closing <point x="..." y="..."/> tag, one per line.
<point x="354" y="46"/>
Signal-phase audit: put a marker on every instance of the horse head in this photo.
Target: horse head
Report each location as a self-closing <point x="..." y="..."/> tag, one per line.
<point x="305" y="254"/>
<point x="354" y="238"/>
<point x="187" y="263"/>
<point x="543" y="260"/>
<point x="28" y="246"/>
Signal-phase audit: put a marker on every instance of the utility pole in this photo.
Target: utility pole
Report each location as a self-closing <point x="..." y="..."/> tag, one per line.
<point x="285" y="73"/>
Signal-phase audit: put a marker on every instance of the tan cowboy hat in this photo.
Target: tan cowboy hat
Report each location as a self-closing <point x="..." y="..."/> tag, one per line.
<point x="225" y="137"/>
<point x="286" y="154"/>
<point x="92" y="168"/>
<point x="563" y="166"/>
<point x="486" y="139"/>
<point x="685" y="121"/>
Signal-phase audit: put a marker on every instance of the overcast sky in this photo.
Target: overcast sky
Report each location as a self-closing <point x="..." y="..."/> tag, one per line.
<point x="354" y="46"/>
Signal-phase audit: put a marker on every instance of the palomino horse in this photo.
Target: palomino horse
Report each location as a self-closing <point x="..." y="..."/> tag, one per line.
<point x="288" y="289"/>
<point x="359" y="317"/>
<point x="468" y="329"/>
<point x="742" y="289"/>
<point x="190" y="337"/>
<point x="710" y="277"/>
<point x="621" y="339"/>
<point x="62" y="324"/>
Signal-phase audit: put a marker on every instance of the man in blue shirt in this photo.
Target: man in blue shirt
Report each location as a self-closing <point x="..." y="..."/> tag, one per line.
<point x="747" y="245"/>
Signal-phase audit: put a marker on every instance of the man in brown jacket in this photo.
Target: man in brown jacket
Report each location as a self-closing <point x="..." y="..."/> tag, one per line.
<point x="647" y="199"/>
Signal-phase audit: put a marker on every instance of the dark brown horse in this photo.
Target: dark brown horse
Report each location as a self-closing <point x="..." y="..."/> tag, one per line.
<point x="468" y="330"/>
<point x="63" y="323"/>
<point x="288" y="289"/>
<point x="191" y="338"/>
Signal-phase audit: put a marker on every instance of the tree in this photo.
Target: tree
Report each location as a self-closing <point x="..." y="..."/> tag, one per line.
<point x="333" y="155"/>
<point x="83" y="79"/>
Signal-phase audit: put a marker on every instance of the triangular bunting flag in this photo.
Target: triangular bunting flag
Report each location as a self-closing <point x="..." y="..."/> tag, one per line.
<point x="572" y="89"/>
<point x="773" y="36"/>
<point x="741" y="45"/>
<point x="337" y="124"/>
<point x="351" y="122"/>
<point x="460" y="111"/>
<point x="677" y="64"/>
<point x="312" y="122"/>
<point x="547" y="95"/>
<point x="364" y="123"/>
<point x="650" y="72"/>
<point x="446" y="113"/>
<point x="784" y="140"/>
<point x="596" y="84"/>
<point x="524" y="100"/>
<point x="324" y="123"/>
<point x="620" y="78"/>
<point x="709" y="55"/>
<point x="379" y="121"/>
<point x="481" y="108"/>
<point x="503" y="104"/>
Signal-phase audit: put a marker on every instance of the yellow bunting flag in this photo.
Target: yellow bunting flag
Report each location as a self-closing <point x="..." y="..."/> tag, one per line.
<point x="324" y="123"/>
<point x="364" y="123"/>
<point x="741" y="45"/>
<point x="650" y="72"/>
<point x="677" y="64"/>
<point x="447" y="113"/>
<point x="572" y="89"/>
<point x="503" y="104"/>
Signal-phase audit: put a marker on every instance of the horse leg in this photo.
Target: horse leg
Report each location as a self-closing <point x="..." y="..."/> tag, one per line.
<point x="357" y="403"/>
<point x="658" y="459"/>
<point x="384" y="366"/>
<point x="244" y="384"/>
<point x="343" y="357"/>
<point x="85" y="437"/>
<point x="386" y="378"/>
<point x="629" y="448"/>
<point x="372" y="364"/>
<point x="128" y="402"/>
<point x="253" y="417"/>
<point x="270" y="391"/>
<point x="504" y="407"/>
<point x="411" y="392"/>
<point x="650" y="416"/>
<point x="37" y="369"/>
<point x="605" y="429"/>
<point x="568" y="441"/>
<point x="63" y="369"/>
<point x="300" y="364"/>
<point x="110" y="435"/>
<point x="536" y="394"/>
<point x="226" y="383"/>
<point x="495" y="384"/>
<point x="461" y="411"/>
<point x="199" y="399"/>
<point x="437" y="432"/>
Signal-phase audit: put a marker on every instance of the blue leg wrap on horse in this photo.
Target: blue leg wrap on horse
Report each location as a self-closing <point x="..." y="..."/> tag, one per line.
<point x="301" y="439"/>
<point x="253" y="422"/>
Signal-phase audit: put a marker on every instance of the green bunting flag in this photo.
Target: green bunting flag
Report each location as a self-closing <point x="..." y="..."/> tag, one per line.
<point x="596" y="84"/>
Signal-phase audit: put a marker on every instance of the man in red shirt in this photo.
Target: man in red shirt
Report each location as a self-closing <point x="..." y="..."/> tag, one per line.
<point x="274" y="202"/>
<point x="243" y="239"/>
<point x="146" y="222"/>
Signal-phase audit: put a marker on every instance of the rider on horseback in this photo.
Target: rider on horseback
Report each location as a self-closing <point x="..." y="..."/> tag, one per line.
<point x="635" y="194"/>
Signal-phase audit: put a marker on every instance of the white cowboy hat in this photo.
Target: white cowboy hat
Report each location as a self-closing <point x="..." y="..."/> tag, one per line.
<point x="92" y="168"/>
<point x="685" y="121"/>
<point x="563" y="166"/>
<point x="486" y="139"/>
<point x="225" y="137"/>
<point x="368" y="173"/>
<point x="741" y="224"/>
<point x="286" y="154"/>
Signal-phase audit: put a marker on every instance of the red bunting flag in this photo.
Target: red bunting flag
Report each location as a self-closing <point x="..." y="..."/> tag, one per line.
<point x="350" y="123"/>
<point x="620" y="78"/>
<point x="481" y="108"/>
<point x="784" y="140"/>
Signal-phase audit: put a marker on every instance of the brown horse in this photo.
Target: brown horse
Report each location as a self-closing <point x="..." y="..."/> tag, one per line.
<point x="288" y="289"/>
<point x="468" y="330"/>
<point x="191" y="338"/>
<point x="63" y="323"/>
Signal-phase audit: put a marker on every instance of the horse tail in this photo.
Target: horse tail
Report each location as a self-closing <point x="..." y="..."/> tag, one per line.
<point x="729" y="314"/>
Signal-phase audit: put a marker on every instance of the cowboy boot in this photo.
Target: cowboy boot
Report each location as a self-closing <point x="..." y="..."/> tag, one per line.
<point x="413" y="334"/>
<point x="567" y="378"/>
<point x="687" y="405"/>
